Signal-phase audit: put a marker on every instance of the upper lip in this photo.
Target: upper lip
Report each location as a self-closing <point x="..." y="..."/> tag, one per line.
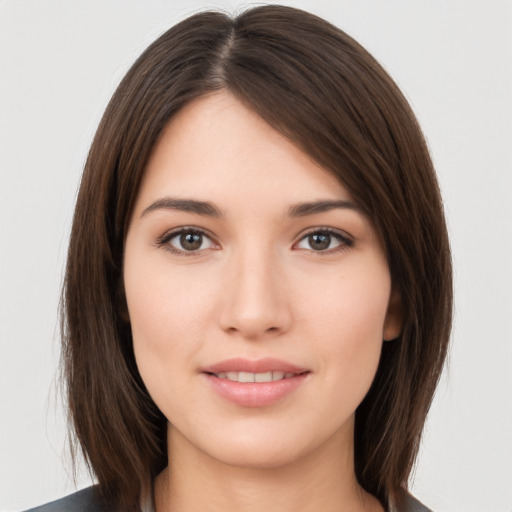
<point x="267" y="364"/>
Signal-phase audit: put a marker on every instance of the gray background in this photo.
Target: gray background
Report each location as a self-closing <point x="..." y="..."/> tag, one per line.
<point x="60" y="62"/>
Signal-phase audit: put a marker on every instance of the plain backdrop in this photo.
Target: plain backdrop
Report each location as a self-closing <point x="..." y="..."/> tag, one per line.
<point x="60" y="61"/>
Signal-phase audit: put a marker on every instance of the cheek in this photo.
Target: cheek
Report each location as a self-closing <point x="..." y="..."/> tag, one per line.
<point x="166" y="305"/>
<point x="352" y="304"/>
<point x="166" y="314"/>
<point x="347" y="316"/>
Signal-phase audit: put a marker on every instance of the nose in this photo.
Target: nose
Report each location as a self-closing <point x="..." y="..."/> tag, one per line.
<point x="256" y="302"/>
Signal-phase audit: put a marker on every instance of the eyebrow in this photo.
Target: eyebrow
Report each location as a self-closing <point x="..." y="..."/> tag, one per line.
<point x="184" y="205"/>
<point x="208" y="209"/>
<point x="314" y="207"/>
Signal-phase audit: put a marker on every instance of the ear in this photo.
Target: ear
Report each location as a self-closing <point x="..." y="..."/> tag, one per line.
<point x="394" y="317"/>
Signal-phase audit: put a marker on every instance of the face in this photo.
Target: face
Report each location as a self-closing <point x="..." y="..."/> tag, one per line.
<point x="258" y="292"/>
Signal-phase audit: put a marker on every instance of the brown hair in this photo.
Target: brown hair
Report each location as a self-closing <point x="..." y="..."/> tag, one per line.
<point x="329" y="96"/>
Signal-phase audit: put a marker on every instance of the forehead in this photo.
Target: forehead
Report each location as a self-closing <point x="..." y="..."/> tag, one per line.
<point x="217" y="149"/>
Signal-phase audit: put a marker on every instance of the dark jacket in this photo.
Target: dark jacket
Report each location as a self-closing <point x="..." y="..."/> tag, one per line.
<point x="87" y="500"/>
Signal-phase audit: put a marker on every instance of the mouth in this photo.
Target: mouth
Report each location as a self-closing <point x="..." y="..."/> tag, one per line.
<point x="254" y="383"/>
<point x="261" y="370"/>
<point x="269" y="376"/>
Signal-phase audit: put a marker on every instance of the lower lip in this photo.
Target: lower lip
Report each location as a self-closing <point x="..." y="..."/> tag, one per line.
<point x="255" y="394"/>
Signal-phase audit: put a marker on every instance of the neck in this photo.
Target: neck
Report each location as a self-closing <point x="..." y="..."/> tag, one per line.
<point x="320" y="481"/>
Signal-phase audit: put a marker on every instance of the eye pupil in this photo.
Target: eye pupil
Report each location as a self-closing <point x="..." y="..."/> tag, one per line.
<point x="191" y="241"/>
<point x="319" y="241"/>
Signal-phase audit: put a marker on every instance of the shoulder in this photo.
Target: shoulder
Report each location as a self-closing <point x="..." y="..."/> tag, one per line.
<point x="408" y="503"/>
<point x="86" y="500"/>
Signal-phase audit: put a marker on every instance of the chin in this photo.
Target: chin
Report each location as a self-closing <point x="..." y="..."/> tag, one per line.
<point x="258" y="457"/>
<point x="264" y="447"/>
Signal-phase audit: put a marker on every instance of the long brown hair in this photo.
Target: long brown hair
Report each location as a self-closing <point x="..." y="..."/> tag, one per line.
<point x="329" y="96"/>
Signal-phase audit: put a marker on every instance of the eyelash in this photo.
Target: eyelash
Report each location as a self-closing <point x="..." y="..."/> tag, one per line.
<point x="164" y="240"/>
<point x="345" y="242"/>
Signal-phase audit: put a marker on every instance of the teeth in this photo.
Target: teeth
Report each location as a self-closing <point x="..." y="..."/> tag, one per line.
<point x="263" y="377"/>
<point x="254" y="377"/>
<point x="246" y="377"/>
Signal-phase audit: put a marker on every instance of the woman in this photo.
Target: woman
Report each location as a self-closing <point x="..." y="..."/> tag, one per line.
<point x="257" y="302"/>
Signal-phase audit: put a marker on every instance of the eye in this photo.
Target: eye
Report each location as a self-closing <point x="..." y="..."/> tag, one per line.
<point x="186" y="240"/>
<point x="324" y="240"/>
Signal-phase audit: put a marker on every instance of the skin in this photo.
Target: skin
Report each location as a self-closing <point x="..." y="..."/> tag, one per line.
<point x="257" y="286"/>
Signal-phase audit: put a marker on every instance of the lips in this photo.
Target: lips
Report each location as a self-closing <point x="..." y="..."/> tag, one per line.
<point x="267" y="364"/>
<point x="254" y="383"/>
<point x="269" y="376"/>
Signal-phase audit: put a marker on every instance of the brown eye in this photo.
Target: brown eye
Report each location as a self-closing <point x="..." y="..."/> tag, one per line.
<point x="324" y="241"/>
<point x="187" y="241"/>
<point x="191" y="241"/>
<point x="319" y="241"/>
